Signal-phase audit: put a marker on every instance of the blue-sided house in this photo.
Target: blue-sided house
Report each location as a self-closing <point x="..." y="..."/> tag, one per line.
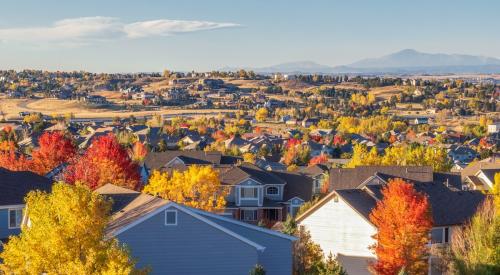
<point x="174" y="239"/>
<point x="14" y="186"/>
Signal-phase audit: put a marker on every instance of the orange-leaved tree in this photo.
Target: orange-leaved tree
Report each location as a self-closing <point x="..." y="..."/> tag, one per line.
<point x="198" y="187"/>
<point x="105" y="161"/>
<point x="318" y="160"/>
<point x="138" y="152"/>
<point x="55" y="149"/>
<point x="13" y="160"/>
<point x="403" y="219"/>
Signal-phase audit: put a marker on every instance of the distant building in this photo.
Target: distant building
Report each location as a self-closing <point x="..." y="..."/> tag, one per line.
<point x="95" y="100"/>
<point x="494" y="127"/>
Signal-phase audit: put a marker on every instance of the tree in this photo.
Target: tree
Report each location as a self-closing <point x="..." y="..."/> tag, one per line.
<point x="104" y="162"/>
<point x="249" y="157"/>
<point x="55" y="149"/>
<point x="65" y="235"/>
<point x="307" y="255"/>
<point x="403" y="219"/>
<point x="331" y="267"/>
<point x="11" y="159"/>
<point x="198" y="187"/>
<point x="318" y="160"/>
<point x="138" y="152"/>
<point x="258" y="270"/>
<point x="261" y="114"/>
<point x="476" y="247"/>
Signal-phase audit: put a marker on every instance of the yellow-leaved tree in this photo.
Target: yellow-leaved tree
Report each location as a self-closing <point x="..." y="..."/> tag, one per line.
<point x="198" y="187"/>
<point x="261" y="114"/>
<point x="65" y="235"/>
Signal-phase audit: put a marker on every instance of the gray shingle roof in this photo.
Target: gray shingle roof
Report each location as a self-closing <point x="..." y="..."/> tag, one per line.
<point x="350" y="178"/>
<point x="297" y="185"/>
<point x="247" y="170"/>
<point x="15" y="185"/>
<point x="448" y="207"/>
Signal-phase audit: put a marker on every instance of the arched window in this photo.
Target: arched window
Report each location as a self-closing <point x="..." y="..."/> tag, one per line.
<point x="272" y="190"/>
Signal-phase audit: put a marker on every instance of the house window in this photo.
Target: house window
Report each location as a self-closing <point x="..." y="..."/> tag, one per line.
<point x="170" y="217"/>
<point x="273" y="190"/>
<point x="15" y="218"/>
<point x="437" y="235"/>
<point x="249" y="215"/>
<point x="440" y="235"/>
<point x="248" y="193"/>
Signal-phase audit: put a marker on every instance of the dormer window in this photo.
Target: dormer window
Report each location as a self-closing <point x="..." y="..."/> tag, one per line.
<point x="272" y="190"/>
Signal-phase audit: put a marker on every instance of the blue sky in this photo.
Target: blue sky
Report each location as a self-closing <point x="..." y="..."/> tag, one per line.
<point x="131" y="36"/>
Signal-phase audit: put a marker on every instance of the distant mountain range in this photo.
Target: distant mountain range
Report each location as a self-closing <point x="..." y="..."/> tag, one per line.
<point x="403" y="62"/>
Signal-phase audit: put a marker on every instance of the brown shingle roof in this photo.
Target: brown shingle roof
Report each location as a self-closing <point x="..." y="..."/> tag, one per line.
<point x="128" y="206"/>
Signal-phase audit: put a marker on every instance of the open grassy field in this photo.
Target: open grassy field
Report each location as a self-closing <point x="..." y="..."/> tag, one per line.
<point x="385" y="93"/>
<point x="12" y="107"/>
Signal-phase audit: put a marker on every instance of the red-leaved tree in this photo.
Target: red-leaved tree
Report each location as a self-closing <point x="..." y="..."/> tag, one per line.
<point x="105" y="161"/>
<point x="403" y="219"/>
<point x="13" y="160"/>
<point x="55" y="149"/>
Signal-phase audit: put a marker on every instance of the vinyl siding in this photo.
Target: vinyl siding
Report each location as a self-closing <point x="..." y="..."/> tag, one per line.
<point x="276" y="258"/>
<point x="190" y="247"/>
<point x="5" y="232"/>
<point x="337" y="228"/>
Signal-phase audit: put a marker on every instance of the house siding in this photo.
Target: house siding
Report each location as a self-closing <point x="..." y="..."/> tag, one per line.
<point x="337" y="228"/>
<point x="190" y="247"/>
<point x="276" y="258"/>
<point x="5" y="232"/>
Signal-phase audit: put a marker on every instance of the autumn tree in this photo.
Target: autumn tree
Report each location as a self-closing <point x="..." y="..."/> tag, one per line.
<point x="65" y="235"/>
<point x="249" y="157"/>
<point x="138" y="152"/>
<point x="318" y="160"/>
<point x="476" y="247"/>
<point x="54" y="150"/>
<point x="198" y="187"/>
<point x="261" y="114"/>
<point x="404" y="222"/>
<point x="105" y="161"/>
<point x="13" y="160"/>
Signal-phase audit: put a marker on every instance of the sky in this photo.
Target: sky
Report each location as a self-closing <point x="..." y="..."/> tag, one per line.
<point x="202" y="35"/>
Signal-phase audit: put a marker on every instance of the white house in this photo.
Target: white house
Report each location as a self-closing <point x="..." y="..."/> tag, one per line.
<point x="340" y="222"/>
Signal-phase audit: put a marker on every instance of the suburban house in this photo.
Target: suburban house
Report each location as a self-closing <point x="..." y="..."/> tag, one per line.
<point x="460" y="153"/>
<point x="15" y="185"/>
<point x="318" y="173"/>
<point x="165" y="161"/>
<point x="257" y="195"/>
<point x="483" y="179"/>
<point x="340" y="222"/>
<point x="168" y="237"/>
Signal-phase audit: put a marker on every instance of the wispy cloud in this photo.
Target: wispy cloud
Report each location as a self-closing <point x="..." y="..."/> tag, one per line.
<point x="85" y="30"/>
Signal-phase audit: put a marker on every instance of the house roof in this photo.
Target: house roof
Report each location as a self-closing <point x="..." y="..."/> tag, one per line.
<point x="350" y="178"/>
<point x="157" y="160"/>
<point x="297" y="185"/>
<point x="145" y="206"/>
<point x="314" y="170"/>
<point x="247" y="170"/>
<point x="448" y="207"/>
<point x="15" y="185"/>
<point x="128" y="206"/>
